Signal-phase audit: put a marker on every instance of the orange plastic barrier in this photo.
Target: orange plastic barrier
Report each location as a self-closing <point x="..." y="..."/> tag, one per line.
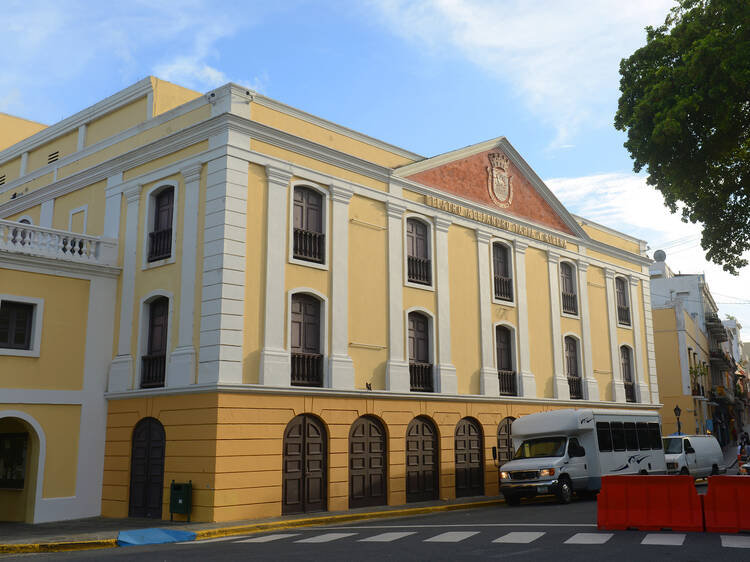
<point x="723" y="504"/>
<point x="649" y="503"/>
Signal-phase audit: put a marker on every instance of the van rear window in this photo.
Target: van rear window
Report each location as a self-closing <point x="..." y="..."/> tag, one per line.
<point x="654" y="434"/>
<point x="631" y="437"/>
<point x="644" y="438"/>
<point x="618" y="436"/>
<point x="604" y="436"/>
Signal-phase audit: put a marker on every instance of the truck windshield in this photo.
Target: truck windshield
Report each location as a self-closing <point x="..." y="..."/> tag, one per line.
<point x="542" y="447"/>
<point x="672" y="446"/>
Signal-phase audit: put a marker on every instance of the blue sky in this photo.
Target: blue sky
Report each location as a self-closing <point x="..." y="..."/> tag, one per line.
<point x="429" y="76"/>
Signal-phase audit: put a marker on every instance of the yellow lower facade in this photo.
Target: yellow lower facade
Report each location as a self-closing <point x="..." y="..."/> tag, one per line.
<point x="230" y="445"/>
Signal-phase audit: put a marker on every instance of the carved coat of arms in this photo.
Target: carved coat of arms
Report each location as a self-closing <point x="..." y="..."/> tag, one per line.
<point x="499" y="179"/>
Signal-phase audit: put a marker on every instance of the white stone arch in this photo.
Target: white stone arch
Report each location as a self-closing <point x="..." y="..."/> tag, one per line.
<point x="326" y="195"/>
<point x="323" y="325"/>
<point x="432" y="351"/>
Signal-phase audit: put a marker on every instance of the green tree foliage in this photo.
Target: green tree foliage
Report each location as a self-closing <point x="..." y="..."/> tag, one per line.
<point x="685" y="105"/>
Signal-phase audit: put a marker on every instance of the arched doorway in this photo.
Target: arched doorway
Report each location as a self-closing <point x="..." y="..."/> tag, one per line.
<point x="505" y="449"/>
<point x="147" y="469"/>
<point x="421" y="460"/>
<point x="367" y="463"/>
<point x="469" y="450"/>
<point x="305" y="466"/>
<point x="19" y="463"/>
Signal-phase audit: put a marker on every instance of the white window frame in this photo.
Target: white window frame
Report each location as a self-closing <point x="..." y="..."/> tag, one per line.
<point x="430" y="334"/>
<point x="148" y="222"/>
<point x="430" y="251"/>
<point x="37" y="320"/>
<point x="511" y="262"/>
<point x="142" y="348"/>
<point x="513" y="347"/>
<point x="323" y="329"/>
<point x="26" y="218"/>
<point x="575" y="286"/>
<point x="85" y="210"/>
<point x="324" y="221"/>
<point x="579" y="359"/>
<point x="627" y="298"/>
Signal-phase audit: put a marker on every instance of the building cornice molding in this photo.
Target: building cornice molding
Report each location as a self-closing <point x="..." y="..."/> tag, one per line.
<point x="51" y="266"/>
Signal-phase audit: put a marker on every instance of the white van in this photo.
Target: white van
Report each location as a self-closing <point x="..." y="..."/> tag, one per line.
<point x="566" y="451"/>
<point x="696" y="455"/>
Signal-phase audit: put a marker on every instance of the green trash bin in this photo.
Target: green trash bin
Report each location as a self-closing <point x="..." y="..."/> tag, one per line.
<point x="180" y="498"/>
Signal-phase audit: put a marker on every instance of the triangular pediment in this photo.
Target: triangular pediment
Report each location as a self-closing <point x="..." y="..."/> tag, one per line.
<point x="492" y="173"/>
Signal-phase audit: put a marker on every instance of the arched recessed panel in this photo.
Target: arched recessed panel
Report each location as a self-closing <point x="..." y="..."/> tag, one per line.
<point x="305" y="466"/>
<point x="367" y="463"/>
<point x="147" y="469"/>
<point x="422" y="461"/>
<point x="469" y="449"/>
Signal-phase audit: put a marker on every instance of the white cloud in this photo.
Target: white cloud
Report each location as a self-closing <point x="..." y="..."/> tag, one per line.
<point x="562" y="56"/>
<point x="624" y="202"/>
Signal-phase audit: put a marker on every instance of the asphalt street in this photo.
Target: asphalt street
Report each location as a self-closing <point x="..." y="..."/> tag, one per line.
<point x="534" y="531"/>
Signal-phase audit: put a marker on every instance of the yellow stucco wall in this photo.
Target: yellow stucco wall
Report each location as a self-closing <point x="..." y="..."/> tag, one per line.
<point x="15" y="129"/>
<point x="11" y="170"/>
<point x="168" y="96"/>
<point x="608" y="238"/>
<point x="540" y="315"/>
<point x="33" y="212"/>
<point x="601" y="355"/>
<point x="91" y="197"/>
<point x="65" y="145"/>
<point x="116" y="121"/>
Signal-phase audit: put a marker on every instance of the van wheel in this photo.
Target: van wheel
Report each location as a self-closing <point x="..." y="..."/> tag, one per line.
<point x="714" y="470"/>
<point x="564" y="490"/>
<point x="513" y="499"/>
<point x="643" y="473"/>
<point x="684" y="471"/>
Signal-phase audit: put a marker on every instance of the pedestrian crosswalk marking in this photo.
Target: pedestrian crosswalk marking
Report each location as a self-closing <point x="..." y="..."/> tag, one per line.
<point x="327" y="537"/>
<point x="452" y="536"/>
<point x="735" y="541"/>
<point x="269" y="538"/>
<point x="665" y="539"/>
<point x="519" y="537"/>
<point x="589" y="538"/>
<point x="388" y="537"/>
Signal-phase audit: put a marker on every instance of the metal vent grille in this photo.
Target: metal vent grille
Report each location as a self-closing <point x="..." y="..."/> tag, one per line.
<point x="53" y="157"/>
<point x="2" y="179"/>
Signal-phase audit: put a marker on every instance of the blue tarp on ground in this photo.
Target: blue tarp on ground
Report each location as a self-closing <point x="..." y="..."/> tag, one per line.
<point x="153" y="536"/>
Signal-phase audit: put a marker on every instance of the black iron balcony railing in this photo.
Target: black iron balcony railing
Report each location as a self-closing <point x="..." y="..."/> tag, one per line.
<point x="623" y="315"/>
<point x="503" y="288"/>
<point x="159" y="244"/>
<point x="307" y="369"/>
<point x="309" y="245"/>
<point x="629" y="391"/>
<point x="507" y="383"/>
<point x="153" y="368"/>
<point x="569" y="303"/>
<point x="420" y="270"/>
<point x="420" y="377"/>
<point x="576" y="388"/>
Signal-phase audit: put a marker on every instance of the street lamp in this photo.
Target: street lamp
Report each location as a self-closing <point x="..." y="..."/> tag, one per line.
<point x="677" y="413"/>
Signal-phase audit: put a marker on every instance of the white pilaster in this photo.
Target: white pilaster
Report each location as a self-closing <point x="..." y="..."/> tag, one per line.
<point x="526" y="379"/>
<point x="560" y="386"/>
<point x="224" y="262"/>
<point x="182" y="361"/>
<point x="590" y="386"/>
<point x="650" y="349"/>
<point x="446" y="380"/>
<point x="112" y="207"/>
<point x="275" y="360"/>
<point x="488" y="381"/>
<point x="24" y="164"/>
<point x="397" y="368"/>
<point x="635" y="319"/>
<point x="81" y="137"/>
<point x="342" y="367"/>
<point x="618" y="388"/>
<point x="121" y="369"/>
<point x="47" y="211"/>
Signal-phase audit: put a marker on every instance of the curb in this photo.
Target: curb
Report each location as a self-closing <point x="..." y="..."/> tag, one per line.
<point x="248" y="529"/>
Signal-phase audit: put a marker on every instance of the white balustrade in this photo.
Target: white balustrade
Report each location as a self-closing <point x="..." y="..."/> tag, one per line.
<point x="34" y="240"/>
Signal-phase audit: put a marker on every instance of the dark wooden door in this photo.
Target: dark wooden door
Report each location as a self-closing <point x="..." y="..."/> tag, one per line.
<point x="308" y="210"/>
<point x="147" y="469"/>
<point x="305" y="324"/>
<point x="367" y="463"/>
<point x="163" y="211"/>
<point x="505" y="449"/>
<point x="469" y="459"/>
<point x="419" y="350"/>
<point x="305" y="466"/>
<point x="504" y="357"/>
<point x="157" y="326"/>
<point x="416" y="239"/>
<point x="421" y="461"/>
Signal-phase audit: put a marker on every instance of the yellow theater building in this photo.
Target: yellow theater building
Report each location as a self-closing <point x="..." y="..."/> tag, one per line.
<point x="290" y="314"/>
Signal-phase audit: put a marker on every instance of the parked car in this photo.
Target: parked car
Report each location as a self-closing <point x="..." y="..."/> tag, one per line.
<point x="567" y="451"/>
<point x="696" y="455"/>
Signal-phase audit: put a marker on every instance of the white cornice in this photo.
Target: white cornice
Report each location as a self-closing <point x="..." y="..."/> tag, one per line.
<point x="107" y="105"/>
<point x="445" y="157"/>
<point x="61" y="268"/>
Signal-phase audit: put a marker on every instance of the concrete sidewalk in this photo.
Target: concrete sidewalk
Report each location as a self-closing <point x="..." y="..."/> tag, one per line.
<point x="102" y="532"/>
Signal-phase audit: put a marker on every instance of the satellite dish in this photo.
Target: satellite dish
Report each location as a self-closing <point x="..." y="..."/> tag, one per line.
<point x="660" y="255"/>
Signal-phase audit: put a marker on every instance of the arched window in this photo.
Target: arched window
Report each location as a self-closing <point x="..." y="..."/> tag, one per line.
<point x="160" y="235"/>
<point x="419" y="265"/>
<point x="568" y="288"/>
<point x="572" y="370"/>
<point x="307" y="359"/>
<point x="309" y="236"/>
<point x="505" y="371"/>
<point x="623" y="304"/>
<point x="503" y="279"/>
<point x="626" y="364"/>
<point x="154" y="362"/>
<point x="420" y="363"/>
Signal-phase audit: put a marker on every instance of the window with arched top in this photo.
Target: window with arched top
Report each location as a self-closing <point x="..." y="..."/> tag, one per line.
<point x="420" y="361"/>
<point x="572" y="368"/>
<point x="160" y="232"/>
<point x="309" y="225"/>
<point x="502" y="272"/>
<point x="305" y="341"/>
<point x="623" y="302"/>
<point x="505" y="370"/>
<point x="626" y="366"/>
<point x="154" y="361"/>
<point x="419" y="264"/>
<point x="568" y="288"/>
